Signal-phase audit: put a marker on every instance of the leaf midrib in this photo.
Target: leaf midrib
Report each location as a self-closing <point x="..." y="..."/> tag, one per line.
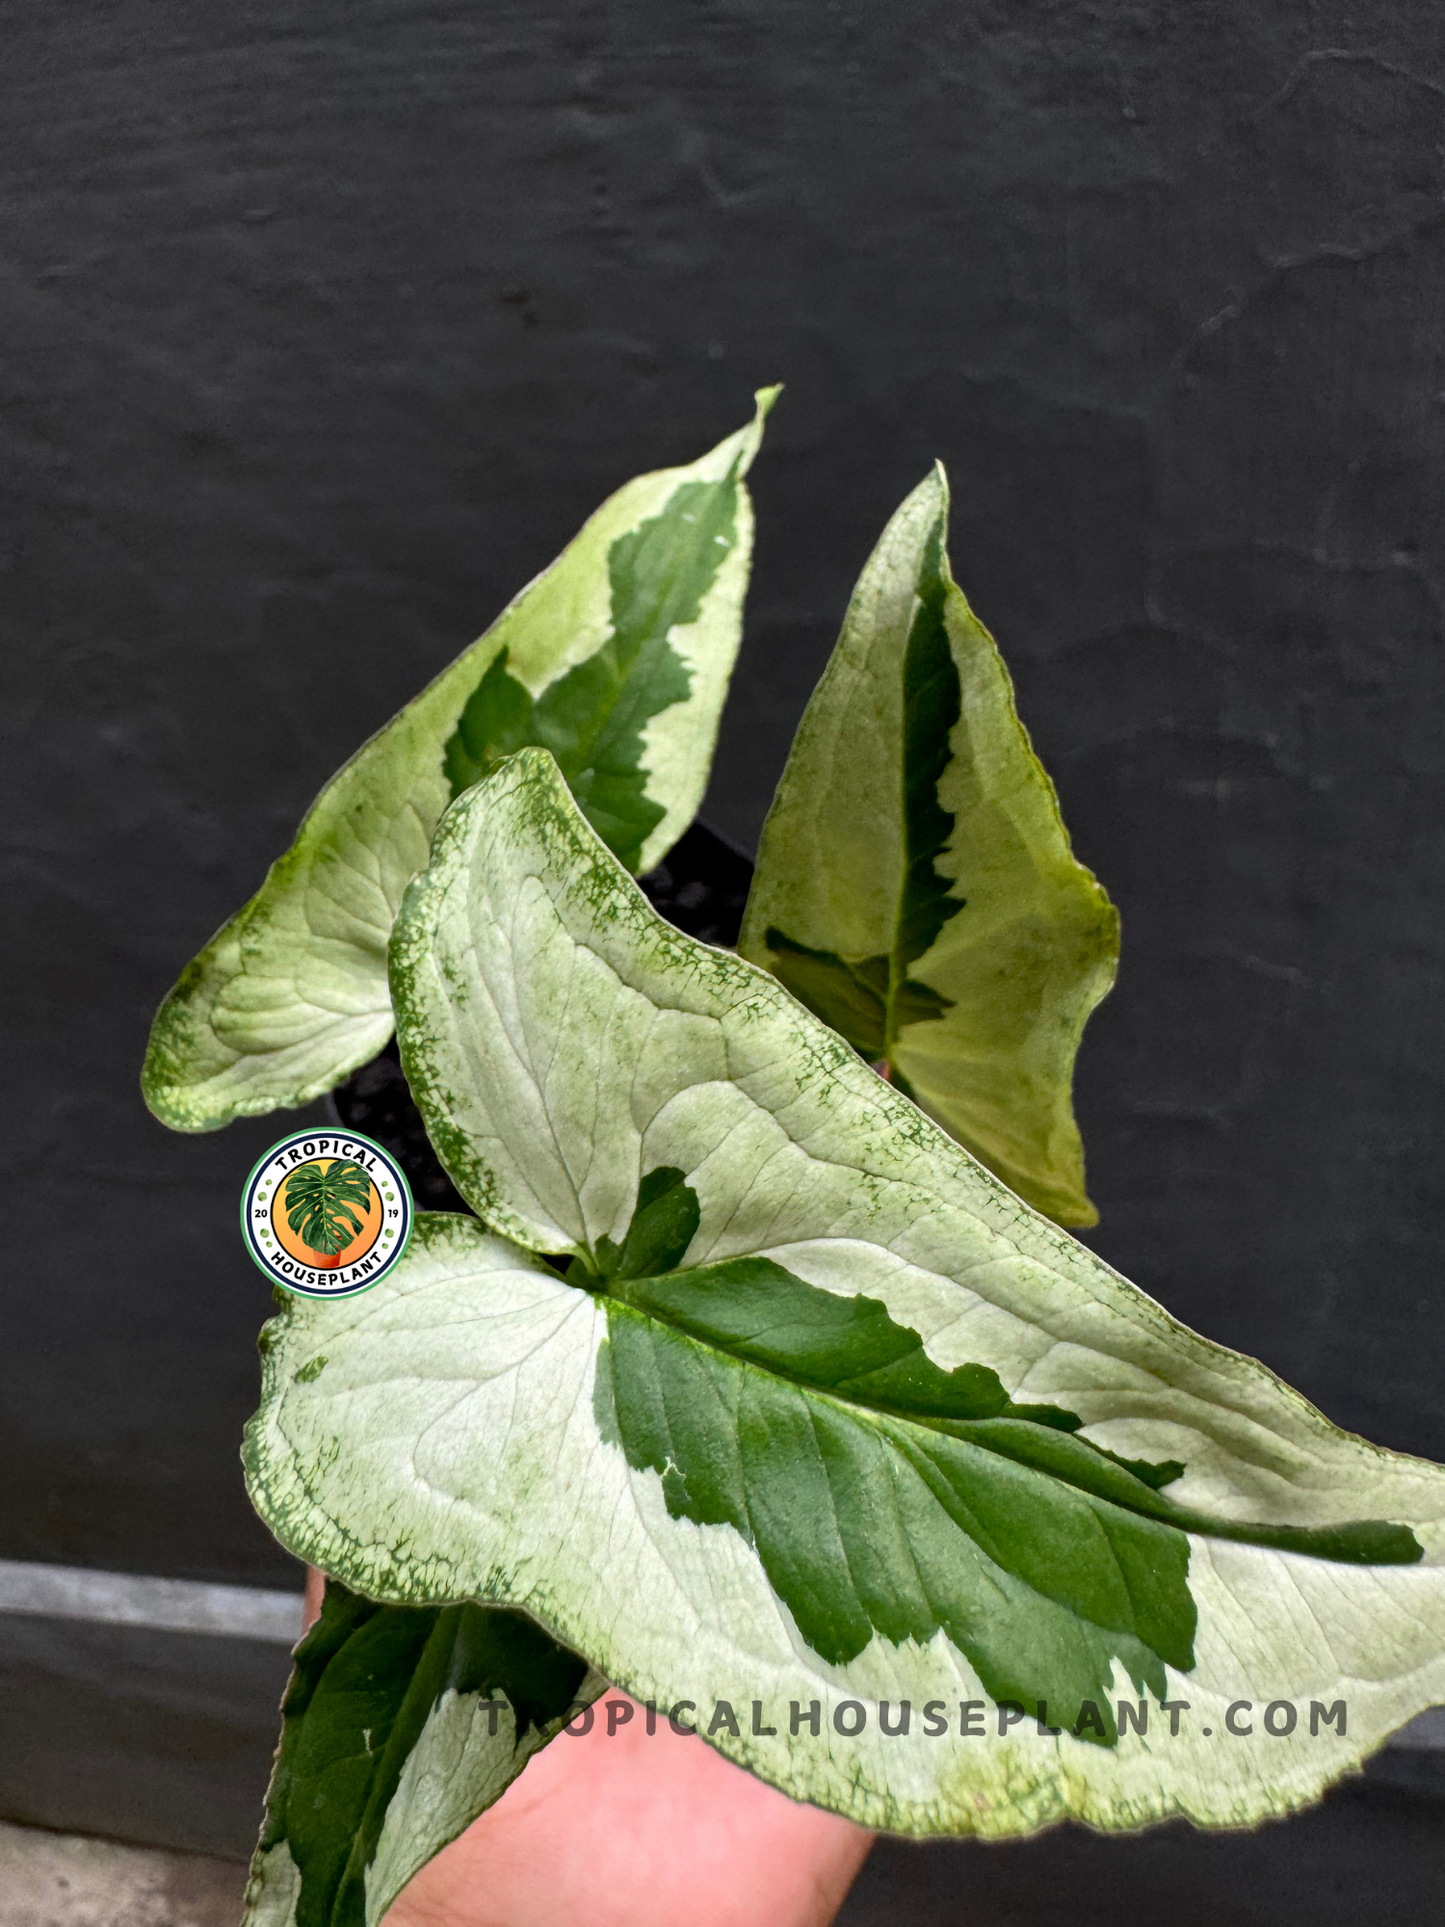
<point x="1148" y="1505"/>
<point x="956" y="1429"/>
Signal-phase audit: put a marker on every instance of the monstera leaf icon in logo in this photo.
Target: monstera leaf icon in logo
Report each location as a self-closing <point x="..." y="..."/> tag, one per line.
<point x="321" y="1205"/>
<point x="326" y="1215"/>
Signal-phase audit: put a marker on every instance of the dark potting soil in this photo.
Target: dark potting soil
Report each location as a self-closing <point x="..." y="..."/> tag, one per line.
<point x="701" y="886"/>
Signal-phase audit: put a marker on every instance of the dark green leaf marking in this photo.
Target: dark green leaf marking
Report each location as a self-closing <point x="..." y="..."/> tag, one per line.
<point x="1156" y="1477"/>
<point x="663" y="1222"/>
<point x="869" y="1000"/>
<point x="885" y="1495"/>
<point x="932" y="703"/>
<point x="319" y="1200"/>
<point x="364" y="1685"/>
<point x="592" y="718"/>
<point x="852" y="997"/>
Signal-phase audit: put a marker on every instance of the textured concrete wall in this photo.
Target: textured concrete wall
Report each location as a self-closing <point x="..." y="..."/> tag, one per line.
<point x="326" y="324"/>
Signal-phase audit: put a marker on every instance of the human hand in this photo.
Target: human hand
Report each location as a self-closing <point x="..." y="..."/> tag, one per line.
<point x="636" y="1830"/>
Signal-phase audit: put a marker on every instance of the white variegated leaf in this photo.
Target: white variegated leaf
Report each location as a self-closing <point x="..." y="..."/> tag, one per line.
<point x="815" y="1408"/>
<point x="617" y="658"/>
<point x="915" y="886"/>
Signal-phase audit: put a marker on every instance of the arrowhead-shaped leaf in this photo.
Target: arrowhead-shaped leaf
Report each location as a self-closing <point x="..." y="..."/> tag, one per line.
<point x="617" y="658"/>
<point x="401" y="1725"/>
<point x="915" y="886"/>
<point x="807" y="1407"/>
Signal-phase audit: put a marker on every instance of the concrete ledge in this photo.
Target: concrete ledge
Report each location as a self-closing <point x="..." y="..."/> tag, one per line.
<point x="162" y="1738"/>
<point x="58" y="1880"/>
<point x="138" y="1599"/>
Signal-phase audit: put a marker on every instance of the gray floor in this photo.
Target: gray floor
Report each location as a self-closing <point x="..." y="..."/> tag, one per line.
<point x="57" y="1880"/>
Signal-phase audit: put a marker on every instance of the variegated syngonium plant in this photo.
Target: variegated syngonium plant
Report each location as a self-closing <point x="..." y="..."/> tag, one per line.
<point x="616" y="658"/>
<point x="915" y="885"/>
<point x="758" y="1391"/>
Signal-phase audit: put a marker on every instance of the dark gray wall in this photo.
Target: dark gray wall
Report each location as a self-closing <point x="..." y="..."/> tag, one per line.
<point x="326" y="324"/>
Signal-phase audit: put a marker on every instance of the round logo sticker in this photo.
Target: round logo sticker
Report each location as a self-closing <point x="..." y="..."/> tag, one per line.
<point x="326" y="1213"/>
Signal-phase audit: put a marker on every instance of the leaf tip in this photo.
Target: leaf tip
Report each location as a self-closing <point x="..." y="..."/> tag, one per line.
<point x="749" y="440"/>
<point x="1080" y="1214"/>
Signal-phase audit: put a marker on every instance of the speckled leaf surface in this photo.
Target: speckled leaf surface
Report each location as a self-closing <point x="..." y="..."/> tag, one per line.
<point x="915" y="886"/>
<point x="808" y="1407"/>
<point x="617" y="658"/>
<point x="401" y="1725"/>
